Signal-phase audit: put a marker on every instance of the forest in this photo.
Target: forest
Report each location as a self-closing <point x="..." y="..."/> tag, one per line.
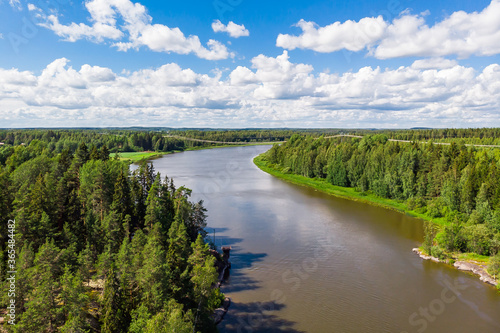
<point x="456" y="186"/>
<point x="131" y="140"/>
<point x="96" y="248"/>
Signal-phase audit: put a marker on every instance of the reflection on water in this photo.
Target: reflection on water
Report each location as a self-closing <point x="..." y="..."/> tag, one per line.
<point x="303" y="261"/>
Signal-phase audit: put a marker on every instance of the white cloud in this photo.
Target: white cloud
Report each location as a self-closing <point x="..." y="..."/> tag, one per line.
<point x="234" y="30"/>
<point x="136" y="31"/>
<point x="350" y="35"/>
<point x="16" y="4"/>
<point x="273" y="92"/>
<point x="461" y="34"/>
<point x="434" y="63"/>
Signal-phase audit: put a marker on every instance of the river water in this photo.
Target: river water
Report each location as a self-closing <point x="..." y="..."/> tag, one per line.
<point x="303" y="261"/>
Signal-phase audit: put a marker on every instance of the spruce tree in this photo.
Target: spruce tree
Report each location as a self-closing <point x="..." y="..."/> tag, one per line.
<point x="113" y="317"/>
<point x="177" y="255"/>
<point x="75" y="302"/>
<point x="152" y="276"/>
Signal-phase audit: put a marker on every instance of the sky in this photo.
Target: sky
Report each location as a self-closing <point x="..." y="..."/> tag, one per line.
<point x="242" y="63"/>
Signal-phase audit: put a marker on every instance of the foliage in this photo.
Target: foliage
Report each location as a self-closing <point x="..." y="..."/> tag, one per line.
<point x="95" y="251"/>
<point x="453" y="183"/>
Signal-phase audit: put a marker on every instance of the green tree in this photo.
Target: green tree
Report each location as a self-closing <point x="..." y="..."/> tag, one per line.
<point x="74" y="302"/>
<point x="42" y="312"/>
<point x="170" y="320"/>
<point x="177" y="255"/>
<point x="114" y="319"/>
<point x="153" y="275"/>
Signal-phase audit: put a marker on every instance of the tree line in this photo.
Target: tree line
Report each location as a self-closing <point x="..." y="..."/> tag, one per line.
<point x="99" y="248"/>
<point x="458" y="185"/>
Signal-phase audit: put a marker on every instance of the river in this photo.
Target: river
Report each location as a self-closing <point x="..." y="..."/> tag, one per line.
<point x="303" y="261"/>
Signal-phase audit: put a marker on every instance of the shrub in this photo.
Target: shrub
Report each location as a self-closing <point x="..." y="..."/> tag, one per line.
<point x="437" y="252"/>
<point x="494" y="265"/>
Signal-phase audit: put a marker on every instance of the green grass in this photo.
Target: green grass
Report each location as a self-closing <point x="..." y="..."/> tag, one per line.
<point x="342" y="192"/>
<point x="134" y="157"/>
<point x="369" y="198"/>
<point x="472" y="257"/>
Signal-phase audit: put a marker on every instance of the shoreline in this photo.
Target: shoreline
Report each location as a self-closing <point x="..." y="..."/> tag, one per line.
<point x="152" y="155"/>
<point x="466" y="266"/>
<point x="350" y="194"/>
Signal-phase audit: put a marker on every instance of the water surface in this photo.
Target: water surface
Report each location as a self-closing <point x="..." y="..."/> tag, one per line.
<point x="303" y="261"/>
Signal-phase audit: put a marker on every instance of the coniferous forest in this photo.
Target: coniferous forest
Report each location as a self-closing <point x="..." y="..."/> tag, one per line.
<point x="98" y="248"/>
<point x="455" y="185"/>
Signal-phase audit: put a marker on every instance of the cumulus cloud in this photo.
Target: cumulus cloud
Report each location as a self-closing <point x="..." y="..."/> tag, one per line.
<point x="436" y="63"/>
<point x="461" y="34"/>
<point x="272" y="92"/>
<point x="234" y="30"/>
<point x="137" y="30"/>
<point x="350" y="35"/>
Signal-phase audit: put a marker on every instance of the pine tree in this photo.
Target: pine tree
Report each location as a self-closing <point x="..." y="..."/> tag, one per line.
<point x="152" y="276"/>
<point x="113" y="317"/>
<point x="153" y="204"/>
<point x="74" y="302"/>
<point x="86" y="263"/>
<point x="94" y="153"/>
<point x="177" y="255"/>
<point x="42" y="312"/>
<point x="122" y="202"/>
<point x="104" y="153"/>
<point x="113" y="230"/>
<point x="24" y="266"/>
<point x="140" y="317"/>
<point x="170" y="320"/>
<point x="203" y="278"/>
<point x="81" y="155"/>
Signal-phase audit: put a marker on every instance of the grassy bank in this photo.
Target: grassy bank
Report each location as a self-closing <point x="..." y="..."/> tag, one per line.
<point x="134" y="157"/>
<point x="368" y="198"/>
<point x="341" y="192"/>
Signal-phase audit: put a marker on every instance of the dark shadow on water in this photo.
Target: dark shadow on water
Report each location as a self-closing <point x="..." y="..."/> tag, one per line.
<point x="237" y="280"/>
<point x="217" y="230"/>
<point x="225" y="241"/>
<point x="256" y="317"/>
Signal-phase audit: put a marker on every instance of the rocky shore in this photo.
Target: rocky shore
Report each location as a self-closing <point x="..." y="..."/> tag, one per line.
<point x="223" y="265"/>
<point x="475" y="268"/>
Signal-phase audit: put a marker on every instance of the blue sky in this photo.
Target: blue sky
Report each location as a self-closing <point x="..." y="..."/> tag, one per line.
<point x="389" y="63"/>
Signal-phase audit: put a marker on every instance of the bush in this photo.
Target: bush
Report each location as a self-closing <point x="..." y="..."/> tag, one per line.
<point x="437" y="252"/>
<point x="478" y="238"/>
<point x="414" y="203"/>
<point x="494" y="265"/>
<point x="435" y="207"/>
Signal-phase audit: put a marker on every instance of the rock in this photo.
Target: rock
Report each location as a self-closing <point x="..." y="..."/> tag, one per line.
<point x="221" y="312"/>
<point x="426" y="257"/>
<point x="476" y="269"/>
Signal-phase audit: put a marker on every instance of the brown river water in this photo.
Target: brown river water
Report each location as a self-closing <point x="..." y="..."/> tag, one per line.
<point x="304" y="261"/>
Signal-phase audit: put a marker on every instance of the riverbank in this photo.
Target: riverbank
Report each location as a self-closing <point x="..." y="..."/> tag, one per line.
<point x="475" y="267"/>
<point x="342" y="192"/>
<point x="465" y="263"/>
<point x="135" y="157"/>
